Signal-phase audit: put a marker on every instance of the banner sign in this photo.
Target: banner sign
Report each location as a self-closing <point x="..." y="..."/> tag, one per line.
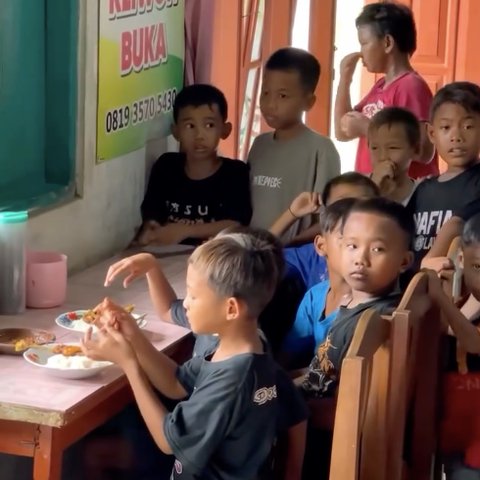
<point x="141" y="50"/>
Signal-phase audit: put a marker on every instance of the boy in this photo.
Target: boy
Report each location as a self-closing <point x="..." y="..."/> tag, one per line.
<point x="291" y="159"/>
<point x="387" y="37"/>
<point x="455" y="131"/>
<point x="256" y="247"/>
<point x="394" y="140"/>
<point x="375" y="251"/>
<point x="464" y="324"/>
<point x="320" y="304"/>
<point x="303" y="262"/>
<point x="193" y="195"/>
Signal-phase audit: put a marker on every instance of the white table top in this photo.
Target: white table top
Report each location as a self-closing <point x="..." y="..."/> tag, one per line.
<point x="28" y="393"/>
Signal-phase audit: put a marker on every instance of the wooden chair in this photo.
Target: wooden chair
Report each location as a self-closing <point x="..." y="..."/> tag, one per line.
<point x="389" y="381"/>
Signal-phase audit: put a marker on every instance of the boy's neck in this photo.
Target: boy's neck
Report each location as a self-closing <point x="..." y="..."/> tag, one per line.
<point x="359" y="297"/>
<point x="452" y="172"/>
<point x="398" y="64"/>
<point x="290" y="132"/>
<point x="237" y="339"/>
<point x="200" y="168"/>
<point x="339" y="293"/>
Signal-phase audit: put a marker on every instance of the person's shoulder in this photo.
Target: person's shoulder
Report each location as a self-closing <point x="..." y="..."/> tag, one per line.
<point x="263" y="139"/>
<point x="317" y="138"/>
<point x="234" y="165"/>
<point x="319" y="290"/>
<point x="413" y="82"/>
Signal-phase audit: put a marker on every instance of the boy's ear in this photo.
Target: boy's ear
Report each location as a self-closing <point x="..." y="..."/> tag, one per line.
<point x="234" y="308"/>
<point x="226" y="130"/>
<point x="407" y="262"/>
<point x="311" y="99"/>
<point x="461" y="259"/>
<point x="431" y="132"/>
<point x="389" y="43"/>
<point x="174" y="130"/>
<point x="319" y="244"/>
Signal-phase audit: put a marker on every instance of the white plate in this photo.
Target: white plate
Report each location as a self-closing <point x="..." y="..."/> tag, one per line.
<point x="80" y="327"/>
<point x="39" y="356"/>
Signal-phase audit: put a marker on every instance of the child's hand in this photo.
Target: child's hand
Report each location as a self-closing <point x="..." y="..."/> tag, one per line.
<point x="113" y="315"/>
<point x="170" y="234"/>
<point x="435" y="289"/>
<point x="353" y="124"/>
<point x="383" y="175"/>
<point x="147" y="234"/>
<point x="109" y="345"/>
<point x="348" y="64"/>
<point x="305" y="204"/>
<point x="437" y="264"/>
<point x="134" y="267"/>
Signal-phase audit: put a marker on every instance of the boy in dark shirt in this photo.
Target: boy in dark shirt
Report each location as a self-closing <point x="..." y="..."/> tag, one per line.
<point x="375" y="250"/>
<point x="455" y="132"/>
<point x="193" y="195"/>
<point x="290" y="411"/>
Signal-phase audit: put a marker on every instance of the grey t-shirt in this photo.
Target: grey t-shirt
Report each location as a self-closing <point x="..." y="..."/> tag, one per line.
<point x="226" y="428"/>
<point x="280" y="170"/>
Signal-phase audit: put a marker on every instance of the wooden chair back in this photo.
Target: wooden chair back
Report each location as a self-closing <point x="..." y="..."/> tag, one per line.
<point x="389" y="378"/>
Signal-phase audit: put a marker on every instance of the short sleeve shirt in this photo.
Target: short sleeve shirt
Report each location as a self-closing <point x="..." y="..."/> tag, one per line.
<point x="282" y="169"/>
<point x="409" y="91"/>
<point x="434" y="202"/>
<point x="292" y="408"/>
<point x="304" y="262"/>
<point x="324" y="370"/>
<point x="173" y="197"/>
<point x="311" y="324"/>
<point x="226" y="428"/>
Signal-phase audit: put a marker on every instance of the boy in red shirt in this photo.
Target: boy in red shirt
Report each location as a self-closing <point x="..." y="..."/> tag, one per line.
<point x="387" y="36"/>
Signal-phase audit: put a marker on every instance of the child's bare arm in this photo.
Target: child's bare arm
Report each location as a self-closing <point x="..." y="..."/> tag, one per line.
<point x="296" y="442"/>
<point x="343" y="103"/>
<point x="161" y="292"/>
<point x="151" y="408"/>
<point x="306" y="236"/>
<point x="467" y="334"/>
<point x="448" y="232"/>
<point x="304" y="204"/>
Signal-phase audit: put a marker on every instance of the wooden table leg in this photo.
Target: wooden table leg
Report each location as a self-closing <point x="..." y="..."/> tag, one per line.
<point x="47" y="459"/>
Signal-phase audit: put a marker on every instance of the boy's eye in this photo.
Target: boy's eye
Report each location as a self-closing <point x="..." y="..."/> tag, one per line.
<point x="210" y="125"/>
<point x="476" y="266"/>
<point x="283" y="95"/>
<point x="378" y="249"/>
<point x="373" y="147"/>
<point x="189" y="125"/>
<point x="444" y="127"/>
<point x="393" y="147"/>
<point x="350" y="246"/>
<point x="468" y="127"/>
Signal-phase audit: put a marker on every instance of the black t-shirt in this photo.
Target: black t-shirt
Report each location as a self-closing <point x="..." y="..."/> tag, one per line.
<point x="434" y="202"/>
<point x="323" y="372"/>
<point x="469" y="210"/>
<point x="173" y="197"/>
<point x="226" y="428"/>
<point x="292" y="408"/>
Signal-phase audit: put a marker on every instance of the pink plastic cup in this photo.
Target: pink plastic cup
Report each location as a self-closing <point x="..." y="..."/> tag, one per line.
<point x="46" y="279"/>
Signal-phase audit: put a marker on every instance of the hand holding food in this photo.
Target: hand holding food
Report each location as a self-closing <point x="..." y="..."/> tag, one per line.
<point x="109" y="344"/>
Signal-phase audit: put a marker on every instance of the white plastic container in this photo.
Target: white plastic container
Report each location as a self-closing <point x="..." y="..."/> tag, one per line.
<point x="13" y="234"/>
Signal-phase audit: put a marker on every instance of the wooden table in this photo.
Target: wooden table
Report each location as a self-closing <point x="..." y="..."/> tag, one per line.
<point x="40" y="416"/>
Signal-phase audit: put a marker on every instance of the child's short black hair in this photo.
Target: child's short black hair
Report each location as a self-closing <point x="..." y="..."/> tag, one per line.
<point x="471" y="231"/>
<point x="391" y="18"/>
<point x="299" y="60"/>
<point x="397" y="116"/>
<point x="386" y="208"/>
<point x="465" y="94"/>
<point x="349" y="178"/>
<point x="333" y="215"/>
<point x="198" y="95"/>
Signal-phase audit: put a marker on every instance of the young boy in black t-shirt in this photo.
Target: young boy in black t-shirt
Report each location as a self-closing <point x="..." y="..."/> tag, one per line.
<point x="375" y="250"/>
<point x="455" y="132"/>
<point x="239" y="399"/>
<point x="193" y="195"/>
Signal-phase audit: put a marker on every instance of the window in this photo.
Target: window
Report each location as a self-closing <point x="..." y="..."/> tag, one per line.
<point x="38" y="97"/>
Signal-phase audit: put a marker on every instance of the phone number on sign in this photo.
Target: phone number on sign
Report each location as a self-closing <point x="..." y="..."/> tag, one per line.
<point x="140" y="111"/>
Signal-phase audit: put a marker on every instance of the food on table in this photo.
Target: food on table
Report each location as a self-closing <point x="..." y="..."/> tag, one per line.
<point x="23" y="343"/>
<point x="91" y="316"/>
<point x="73" y="362"/>
<point x="67" y="350"/>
